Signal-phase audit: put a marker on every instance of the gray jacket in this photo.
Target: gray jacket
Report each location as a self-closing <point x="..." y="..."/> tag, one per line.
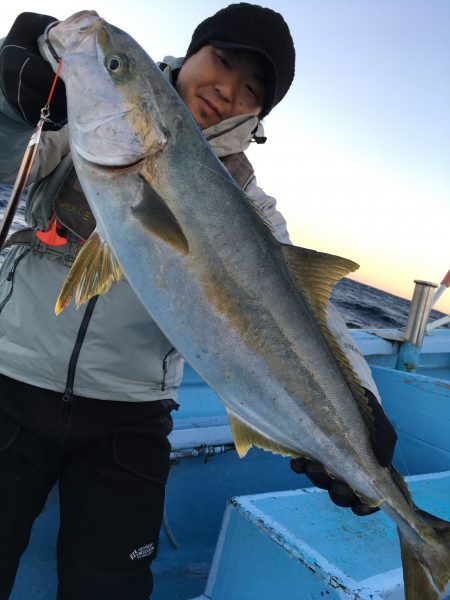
<point x="110" y="349"/>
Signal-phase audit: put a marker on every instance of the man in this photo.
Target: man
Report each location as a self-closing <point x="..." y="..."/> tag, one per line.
<point x="81" y="402"/>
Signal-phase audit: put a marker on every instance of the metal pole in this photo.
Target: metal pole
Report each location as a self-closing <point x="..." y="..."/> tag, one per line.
<point x="419" y="312"/>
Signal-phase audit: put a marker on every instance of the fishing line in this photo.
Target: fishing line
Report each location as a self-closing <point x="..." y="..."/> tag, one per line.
<point x="46" y="108"/>
<point x="402" y="458"/>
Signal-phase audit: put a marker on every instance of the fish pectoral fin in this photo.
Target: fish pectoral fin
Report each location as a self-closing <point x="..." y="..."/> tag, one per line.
<point x="94" y="271"/>
<point x="316" y="273"/>
<point x="245" y="437"/>
<point x="155" y="216"/>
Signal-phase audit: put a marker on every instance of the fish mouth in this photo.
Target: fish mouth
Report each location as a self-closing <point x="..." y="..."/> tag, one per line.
<point x="117" y="161"/>
<point x="74" y="30"/>
<point x="125" y="163"/>
<point x="113" y="168"/>
<point x="120" y="168"/>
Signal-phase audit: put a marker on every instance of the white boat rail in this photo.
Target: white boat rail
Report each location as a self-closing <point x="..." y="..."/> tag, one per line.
<point x="438" y="323"/>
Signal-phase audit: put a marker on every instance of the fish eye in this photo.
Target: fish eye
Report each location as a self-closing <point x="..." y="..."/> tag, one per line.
<point x="115" y="63"/>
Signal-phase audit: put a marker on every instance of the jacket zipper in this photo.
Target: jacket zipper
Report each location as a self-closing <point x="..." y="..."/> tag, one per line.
<point x="163" y="384"/>
<point x="68" y="392"/>
<point x="10" y="278"/>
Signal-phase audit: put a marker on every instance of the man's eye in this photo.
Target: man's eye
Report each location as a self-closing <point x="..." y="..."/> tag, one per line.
<point x="223" y="61"/>
<point x="251" y="90"/>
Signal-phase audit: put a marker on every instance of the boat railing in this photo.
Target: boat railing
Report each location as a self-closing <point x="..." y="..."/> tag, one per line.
<point x="425" y="296"/>
<point x="437" y="323"/>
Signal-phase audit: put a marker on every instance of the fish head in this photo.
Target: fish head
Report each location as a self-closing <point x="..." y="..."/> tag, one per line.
<point x="113" y="116"/>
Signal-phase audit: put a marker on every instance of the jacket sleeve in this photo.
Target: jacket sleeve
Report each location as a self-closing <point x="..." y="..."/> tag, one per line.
<point x="268" y="205"/>
<point x="14" y="137"/>
<point x="335" y="321"/>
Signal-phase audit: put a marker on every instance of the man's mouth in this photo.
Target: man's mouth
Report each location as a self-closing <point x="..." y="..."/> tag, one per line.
<point x="212" y="106"/>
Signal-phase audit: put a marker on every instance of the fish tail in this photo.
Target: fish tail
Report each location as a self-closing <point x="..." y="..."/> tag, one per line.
<point x="426" y="577"/>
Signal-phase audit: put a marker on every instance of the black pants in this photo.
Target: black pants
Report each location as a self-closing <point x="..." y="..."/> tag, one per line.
<point x="112" y="462"/>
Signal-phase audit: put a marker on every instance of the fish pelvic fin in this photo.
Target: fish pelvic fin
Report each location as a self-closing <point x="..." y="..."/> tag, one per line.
<point x="427" y="576"/>
<point x="245" y="437"/>
<point x="94" y="271"/>
<point x="315" y="274"/>
<point x="156" y="217"/>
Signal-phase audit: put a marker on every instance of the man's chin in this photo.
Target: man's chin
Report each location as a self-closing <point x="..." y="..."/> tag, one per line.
<point x="205" y="121"/>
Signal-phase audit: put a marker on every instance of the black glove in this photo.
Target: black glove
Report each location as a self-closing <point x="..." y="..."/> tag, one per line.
<point x="383" y="444"/>
<point x="26" y="77"/>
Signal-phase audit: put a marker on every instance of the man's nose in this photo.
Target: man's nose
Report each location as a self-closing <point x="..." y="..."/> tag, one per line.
<point x="226" y="88"/>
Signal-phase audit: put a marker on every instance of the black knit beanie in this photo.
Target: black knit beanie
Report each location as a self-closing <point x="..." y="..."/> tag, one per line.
<point x="254" y="28"/>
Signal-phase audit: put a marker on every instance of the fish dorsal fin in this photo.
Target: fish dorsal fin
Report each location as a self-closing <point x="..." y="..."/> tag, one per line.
<point x="94" y="271"/>
<point x="245" y="437"/>
<point x="155" y="216"/>
<point x="315" y="274"/>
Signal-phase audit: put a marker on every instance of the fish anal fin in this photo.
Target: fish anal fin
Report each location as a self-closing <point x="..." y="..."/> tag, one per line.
<point x="155" y="216"/>
<point x="245" y="437"/>
<point x="315" y="273"/>
<point x="94" y="271"/>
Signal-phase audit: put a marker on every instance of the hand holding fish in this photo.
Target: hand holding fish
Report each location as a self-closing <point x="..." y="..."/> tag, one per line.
<point x="27" y="77"/>
<point x="340" y="493"/>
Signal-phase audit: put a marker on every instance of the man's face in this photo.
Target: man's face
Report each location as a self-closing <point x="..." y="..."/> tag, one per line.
<point x="218" y="84"/>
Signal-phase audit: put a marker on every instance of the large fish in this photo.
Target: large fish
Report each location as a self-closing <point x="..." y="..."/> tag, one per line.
<point x="247" y="312"/>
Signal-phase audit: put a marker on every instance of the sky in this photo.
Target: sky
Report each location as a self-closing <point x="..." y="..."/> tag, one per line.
<point x="358" y="152"/>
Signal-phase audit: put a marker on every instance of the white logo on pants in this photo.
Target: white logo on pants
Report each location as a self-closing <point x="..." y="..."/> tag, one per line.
<point x="143" y="551"/>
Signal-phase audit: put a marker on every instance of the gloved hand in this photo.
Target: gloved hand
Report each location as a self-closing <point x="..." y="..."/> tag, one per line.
<point x="340" y="493"/>
<point x="26" y="77"/>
